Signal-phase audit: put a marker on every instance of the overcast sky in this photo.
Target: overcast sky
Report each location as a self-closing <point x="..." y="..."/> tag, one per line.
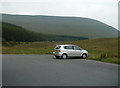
<point x="103" y="10"/>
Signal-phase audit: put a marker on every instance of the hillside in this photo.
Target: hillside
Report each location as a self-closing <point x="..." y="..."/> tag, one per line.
<point x="12" y="32"/>
<point x="15" y="33"/>
<point x="71" y="26"/>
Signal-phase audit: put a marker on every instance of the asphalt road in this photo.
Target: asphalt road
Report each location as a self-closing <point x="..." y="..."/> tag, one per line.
<point x="45" y="70"/>
<point x="0" y="70"/>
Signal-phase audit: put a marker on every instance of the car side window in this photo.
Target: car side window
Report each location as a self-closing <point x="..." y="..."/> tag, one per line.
<point x="77" y="48"/>
<point x="69" y="47"/>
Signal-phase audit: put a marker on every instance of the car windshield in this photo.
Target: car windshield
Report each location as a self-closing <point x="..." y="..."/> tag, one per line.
<point x="57" y="47"/>
<point x="77" y="48"/>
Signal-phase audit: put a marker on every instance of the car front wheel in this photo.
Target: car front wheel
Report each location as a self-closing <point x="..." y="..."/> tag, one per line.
<point x="84" y="56"/>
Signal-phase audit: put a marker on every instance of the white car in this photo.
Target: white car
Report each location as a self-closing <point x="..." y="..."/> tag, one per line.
<point x="65" y="51"/>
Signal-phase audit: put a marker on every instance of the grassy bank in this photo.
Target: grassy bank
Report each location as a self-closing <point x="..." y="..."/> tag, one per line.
<point x="105" y="50"/>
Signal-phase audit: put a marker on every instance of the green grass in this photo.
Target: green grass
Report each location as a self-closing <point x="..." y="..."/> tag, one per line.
<point x="105" y="50"/>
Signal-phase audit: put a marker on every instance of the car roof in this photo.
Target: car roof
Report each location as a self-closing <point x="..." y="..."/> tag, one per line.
<point x="67" y="45"/>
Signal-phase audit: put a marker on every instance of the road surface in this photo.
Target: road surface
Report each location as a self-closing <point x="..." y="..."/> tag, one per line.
<point x="45" y="70"/>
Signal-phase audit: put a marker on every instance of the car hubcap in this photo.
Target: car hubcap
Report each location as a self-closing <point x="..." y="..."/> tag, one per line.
<point x="84" y="56"/>
<point x="64" y="56"/>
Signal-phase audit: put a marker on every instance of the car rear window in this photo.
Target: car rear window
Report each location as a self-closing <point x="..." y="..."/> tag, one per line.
<point x="57" y="47"/>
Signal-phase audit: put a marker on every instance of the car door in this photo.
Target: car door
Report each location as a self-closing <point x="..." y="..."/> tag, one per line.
<point x="77" y="51"/>
<point x="70" y="50"/>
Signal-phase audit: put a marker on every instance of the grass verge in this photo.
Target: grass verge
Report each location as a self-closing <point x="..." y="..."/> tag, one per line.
<point x="105" y="50"/>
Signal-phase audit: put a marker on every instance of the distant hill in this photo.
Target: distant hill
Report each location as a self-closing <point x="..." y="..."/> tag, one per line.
<point x="71" y="26"/>
<point x="12" y="32"/>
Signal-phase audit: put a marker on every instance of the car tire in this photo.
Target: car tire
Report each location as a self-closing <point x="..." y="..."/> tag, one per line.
<point x="84" y="56"/>
<point x="64" y="56"/>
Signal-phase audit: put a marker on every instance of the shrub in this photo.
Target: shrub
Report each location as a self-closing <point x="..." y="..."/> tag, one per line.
<point x="10" y="43"/>
<point x="103" y="55"/>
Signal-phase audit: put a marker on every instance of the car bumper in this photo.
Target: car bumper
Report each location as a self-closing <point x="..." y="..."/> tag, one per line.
<point x="57" y="54"/>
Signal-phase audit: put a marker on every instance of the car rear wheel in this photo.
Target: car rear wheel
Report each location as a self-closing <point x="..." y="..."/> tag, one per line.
<point x="84" y="56"/>
<point x="64" y="56"/>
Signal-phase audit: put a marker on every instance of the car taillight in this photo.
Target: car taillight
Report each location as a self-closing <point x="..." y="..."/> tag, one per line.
<point x="57" y="50"/>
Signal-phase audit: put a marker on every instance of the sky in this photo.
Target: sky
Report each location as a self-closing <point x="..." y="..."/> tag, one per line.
<point x="119" y="16"/>
<point x="105" y="11"/>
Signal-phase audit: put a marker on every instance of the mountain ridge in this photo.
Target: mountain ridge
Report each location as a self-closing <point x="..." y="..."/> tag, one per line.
<point x="11" y="32"/>
<point x="71" y="26"/>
